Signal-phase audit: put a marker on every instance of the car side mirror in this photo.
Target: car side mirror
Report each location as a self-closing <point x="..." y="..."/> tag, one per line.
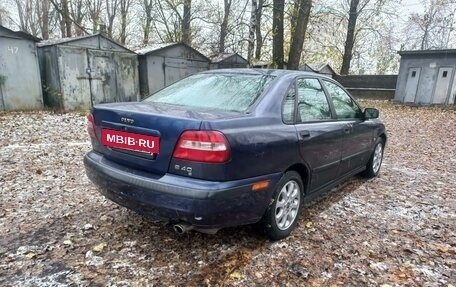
<point x="370" y="113"/>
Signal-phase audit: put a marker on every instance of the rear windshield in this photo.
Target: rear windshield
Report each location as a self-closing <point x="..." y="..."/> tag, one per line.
<point x="228" y="92"/>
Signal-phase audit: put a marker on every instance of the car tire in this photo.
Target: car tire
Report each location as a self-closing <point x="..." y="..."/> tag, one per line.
<point x="282" y="214"/>
<point x="375" y="161"/>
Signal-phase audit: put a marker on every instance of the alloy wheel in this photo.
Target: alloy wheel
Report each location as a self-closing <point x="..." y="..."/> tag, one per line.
<point x="287" y="205"/>
<point x="378" y="156"/>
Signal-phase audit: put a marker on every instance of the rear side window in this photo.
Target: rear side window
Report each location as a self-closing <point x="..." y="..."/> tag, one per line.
<point x="229" y="92"/>
<point x="312" y="102"/>
<point x="345" y="106"/>
<point x="289" y="105"/>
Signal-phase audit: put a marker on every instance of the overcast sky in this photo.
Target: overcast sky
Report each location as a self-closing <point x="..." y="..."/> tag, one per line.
<point x="411" y="6"/>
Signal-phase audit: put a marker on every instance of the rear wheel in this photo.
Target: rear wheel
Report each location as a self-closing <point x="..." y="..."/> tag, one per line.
<point x="375" y="161"/>
<point x="282" y="215"/>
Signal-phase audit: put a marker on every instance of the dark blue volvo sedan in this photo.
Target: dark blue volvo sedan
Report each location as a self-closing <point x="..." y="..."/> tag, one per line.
<point x="232" y="147"/>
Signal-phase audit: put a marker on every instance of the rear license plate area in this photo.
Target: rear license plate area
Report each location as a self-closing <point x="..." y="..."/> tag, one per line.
<point x="127" y="141"/>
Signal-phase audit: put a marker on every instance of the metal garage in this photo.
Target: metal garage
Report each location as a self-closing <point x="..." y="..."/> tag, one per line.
<point x="163" y="64"/>
<point x="228" y="60"/>
<point x="82" y="71"/>
<point x="320" y="68"/>
<point x="20" y="84"/>
<point x="427" y="77"/>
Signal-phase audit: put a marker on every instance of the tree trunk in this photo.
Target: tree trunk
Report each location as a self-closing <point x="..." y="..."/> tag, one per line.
<point x="66" y="18"/>
<point x="22" y="19"/>
<point x="224" y="25"/>
<point x="62" y="26"/>
<point x="299" y="33"/>
<point x="186" y="38"/>
<point x="124" y="7"/>
<point x="277" y="37"/>
<point x="123" y="28"/>
<point x="424" y="40"/>
<point x="350" y="40"/>
<point x="258" y="36"/>
<point x="252" y="28"/>
<point x="427" y="22"/>
<point x="45" y="19"/>
<point x="111" y="11"/>
<point x="77" y="16"/>
<point x="146" y="31"/>
<point x="94" y="8"/>
<point x="148" y="12"/>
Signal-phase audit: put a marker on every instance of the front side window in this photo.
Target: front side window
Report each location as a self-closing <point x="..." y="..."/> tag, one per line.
<point x="312" y="102"/>
<point x="228" y="92"/>
<point x="345" y="106"/>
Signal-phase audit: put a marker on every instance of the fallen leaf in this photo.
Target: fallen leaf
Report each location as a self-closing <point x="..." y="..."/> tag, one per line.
<point x="99" y="247"/>
<point x="236" y="275"/>
<point x="444" y="248"/>
<point x="30" y="255"/>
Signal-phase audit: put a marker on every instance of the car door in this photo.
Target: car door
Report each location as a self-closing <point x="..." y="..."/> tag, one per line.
<point x="318" y="133"/>
<point x="356" y="146"/>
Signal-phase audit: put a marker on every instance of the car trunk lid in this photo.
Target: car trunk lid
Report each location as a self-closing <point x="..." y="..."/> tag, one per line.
<point x="164" y="122"/>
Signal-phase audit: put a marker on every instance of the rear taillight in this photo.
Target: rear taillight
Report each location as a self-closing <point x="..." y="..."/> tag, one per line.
<point x="91" y="126"/>
<point x="202" y="146"/>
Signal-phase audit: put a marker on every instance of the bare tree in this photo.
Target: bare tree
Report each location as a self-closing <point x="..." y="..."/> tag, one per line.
<point x="224" y="25"/>
<point x="61" y="22"/>
<point x="186" y="19"/>
<point x="365" y="12"/>
<point x="77" y="12"/>
<point x="94" y="12"/>
<point x="66" y="17"/>
<point x="173" y="19"/>
<point x="252" y="28"/>
<point x="258" y="34"/>
<point x="43" y="17"/>
<point x="228" y="20"/>
<point x="124" y="7"/>
<point x="298" y="32"/>
<point x="63" y="17"/>
<point x="111" y="12"/>
<point x="147" y="6"/>
<point x="23" y="20"/>
<point x="28" y="16"/>
<point x="386" y="57"/>
<point x="170" y="20"/>
<point x="350" y="38"/>
<point x="277" y="37"/>
<point x="435" y="28"/>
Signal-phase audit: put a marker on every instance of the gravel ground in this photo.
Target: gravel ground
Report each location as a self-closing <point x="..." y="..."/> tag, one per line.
<point x="397" y="229"/>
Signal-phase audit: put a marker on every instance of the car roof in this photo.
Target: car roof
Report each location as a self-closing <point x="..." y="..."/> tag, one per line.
<point x="271" y="72"/>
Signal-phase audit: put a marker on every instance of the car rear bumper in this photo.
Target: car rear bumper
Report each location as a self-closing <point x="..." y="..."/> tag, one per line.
<point x="173" y="198"/>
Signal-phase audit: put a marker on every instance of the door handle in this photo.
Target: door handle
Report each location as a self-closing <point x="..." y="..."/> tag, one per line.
<point x="304" y="133"/>
<point x="347" y="130"/>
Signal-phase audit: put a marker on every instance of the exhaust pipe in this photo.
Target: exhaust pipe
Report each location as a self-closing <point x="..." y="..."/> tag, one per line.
<point x="182" y="228"/>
